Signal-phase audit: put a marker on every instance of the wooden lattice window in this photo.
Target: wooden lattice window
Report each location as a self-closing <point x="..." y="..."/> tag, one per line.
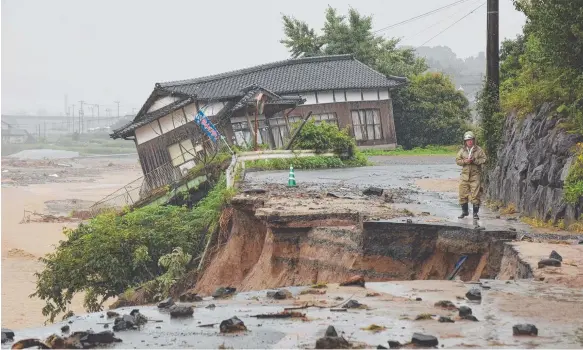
<point x="367" y="124"/>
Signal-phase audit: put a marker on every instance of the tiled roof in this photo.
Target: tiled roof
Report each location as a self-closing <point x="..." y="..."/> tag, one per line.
<point x="285" y="77"/>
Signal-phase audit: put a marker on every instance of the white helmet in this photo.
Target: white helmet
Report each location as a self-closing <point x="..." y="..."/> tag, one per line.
<point x="469" y="135"/>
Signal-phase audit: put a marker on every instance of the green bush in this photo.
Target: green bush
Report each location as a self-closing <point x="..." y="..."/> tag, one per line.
<point x="324" y="137"/>
<point x="315" y="162"/>
<point x="112" y="253"/>
<point x="574" y="182"/>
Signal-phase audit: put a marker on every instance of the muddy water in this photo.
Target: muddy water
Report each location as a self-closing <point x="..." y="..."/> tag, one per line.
<point x="23" y="244"/>
<point x="502" y="306"/>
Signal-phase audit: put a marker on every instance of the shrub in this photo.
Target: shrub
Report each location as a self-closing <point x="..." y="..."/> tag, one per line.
<point x="324" y="137"/>
<point x="574" y="182"/>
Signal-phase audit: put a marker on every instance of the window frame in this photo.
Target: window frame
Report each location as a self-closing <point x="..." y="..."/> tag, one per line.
<point x="366" y="115"/>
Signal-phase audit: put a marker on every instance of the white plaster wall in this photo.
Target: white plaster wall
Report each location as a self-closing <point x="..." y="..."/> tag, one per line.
<point x="211" y="109"/>
<point x="148" y="132"/>
<point x="370" y="95"/>
<point x="162" y="102"/>
<point x="353" y="95"/>
<point x="384" y="95"/>
<point x="339" y="96"/>
<point x="310" y="98"/>
<point x="325" y="97"/>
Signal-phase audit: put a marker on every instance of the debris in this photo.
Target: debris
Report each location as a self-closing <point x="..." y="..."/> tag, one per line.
<point x="255" y="191"/>
<point x="312" y="291"/>
<point x="393" y="344"/>
<point x="7" y="335"/>
<point x="210" y="325"/>
<point x="233" y="324"/>
<point x="374" y="328"/>
<point x="464" y="311"/>
<point x="549" y="262"/>
<point x="469" y="318"/>
<point x="338" y="310"/>
<point x="372" y="294"/>
<point x="189" y="296"/>
<point x="418" y="299"/>
<point x="126" y="322"/>
<point x="111" y="314"/>
<point x="332" y="195"/>
<point x="319" y="285"/>
<point x="29" y="343"/>
<point x="280" y="294"/>
<point x="283" y="314"/>
<point x="55" y="342"/>
<point x="424" y="340"/>
<point x="381" y="347"/>
<point x="524" y="329"/>
<point x="474" y="294"/>
<point x="166" y="303"/>
<point x="444" y="319"/>
<point x="389" y="198"/>
<point x="445" y="304"/>
<point x="65" y="328"/>
<point x="373" y="191"/>
<point x="211" y="306"/>
<point x="332" y="343"/>
<point x="224" y="292"/>
<point x="181" y="311"/>
<point x="422" y="317"/>
<point x="357" y="280"/>
<point x="331" y="332"/>
<point x="353" y="304"/>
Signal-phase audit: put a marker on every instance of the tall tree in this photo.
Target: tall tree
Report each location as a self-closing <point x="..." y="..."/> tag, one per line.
<point x="414" y="104"/>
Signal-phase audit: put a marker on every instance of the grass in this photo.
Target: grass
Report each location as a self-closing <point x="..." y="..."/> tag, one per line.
<point x="417" y="151"/>
<point x="314" y="162"/>
<point x="575" y="227"/>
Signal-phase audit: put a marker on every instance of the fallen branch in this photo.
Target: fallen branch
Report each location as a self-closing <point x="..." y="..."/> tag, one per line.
<point x="284" y="314"/>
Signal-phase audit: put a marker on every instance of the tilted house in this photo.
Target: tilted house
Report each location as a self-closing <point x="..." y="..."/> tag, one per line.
<point x="335" y="89"/>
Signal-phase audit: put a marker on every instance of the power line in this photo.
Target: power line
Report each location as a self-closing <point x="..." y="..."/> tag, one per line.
<point x="421" y="15"/>
<point x="451" y="25"/>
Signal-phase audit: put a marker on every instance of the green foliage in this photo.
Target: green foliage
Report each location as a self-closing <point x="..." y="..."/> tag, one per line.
<point x="435" y="113"/>
<point x="175" y="264"/>
<point x="574" y="182"/>
<point x="430" y="150"/>
<point x="324" y="137"/>
<point x="490" y="135"/>
<point x="443" y="113"/>
<point x="112" y="253"/>
<point x="314" y="162"/>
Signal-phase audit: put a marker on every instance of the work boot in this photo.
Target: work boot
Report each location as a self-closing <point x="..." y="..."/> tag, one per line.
<point x="465" y="211"/>
<point x="476" y="209"/>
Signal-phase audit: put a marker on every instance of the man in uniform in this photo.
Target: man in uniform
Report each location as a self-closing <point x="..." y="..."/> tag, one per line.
<point x="471" y="158"/>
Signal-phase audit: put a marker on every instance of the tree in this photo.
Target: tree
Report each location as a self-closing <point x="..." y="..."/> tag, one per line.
<point x="437" y="114"/>
<point x="353" y="34"/>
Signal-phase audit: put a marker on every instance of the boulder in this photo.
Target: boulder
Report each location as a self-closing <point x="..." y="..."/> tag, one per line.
<point x="474" y="294"/>
<point x="7" y="335"/>
<point x="394" y="344"/>
<point x="233" y="324"/>
<point x="445" y="304"/>
<point x="112" y="314"/>
<point x="332" y="343"/>
<point x="556" y="256"/>
<point x="352" y="304"/>
<point x="177" y="311"/>
<point x="224" y="292"/>
<point x="464" y="311"/>
<point x="524" y="329"/>
<point x="331" y="332"/>
<point x="280" y="294"/>
<point x="166" y="303"/>
<point x="104" y="337"/>
<point x="126" y="322"/>
<point x="210" y="306"/>
<point x="444" y="319"/>
<point x="424" y="340"/>
<point x="189" y="296"/>
<point x="357" y="280"/>
<point x="549" y="262"/>
<point x="373" y="191"/>
<point x="65" y="328"/>
<point x="469" y="318"/>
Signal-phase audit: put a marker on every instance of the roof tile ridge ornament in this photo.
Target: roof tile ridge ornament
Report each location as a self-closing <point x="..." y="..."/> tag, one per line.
<point x="236" y="72"/>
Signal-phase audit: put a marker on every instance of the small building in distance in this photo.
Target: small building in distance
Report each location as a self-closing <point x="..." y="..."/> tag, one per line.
<point x="13" y="135"/>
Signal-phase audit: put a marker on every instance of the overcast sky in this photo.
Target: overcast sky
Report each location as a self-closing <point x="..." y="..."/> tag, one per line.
<point x="101" y="51"/>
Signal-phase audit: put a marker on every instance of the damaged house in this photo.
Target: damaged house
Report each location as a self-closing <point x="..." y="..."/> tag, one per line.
<point x="335" y="89"/>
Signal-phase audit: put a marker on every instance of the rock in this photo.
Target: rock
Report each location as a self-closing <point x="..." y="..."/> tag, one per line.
<point x="357" y="280"/>
<point x="469" y="318"/>
<point x="389" y="198"/>
<point x="524" y="329"/>
<point x="181" y="311"/>
<point x="332" y="343"/>
<point x="104" y="337"/>
<point x="393" y="344"/>
<point x="7" y="335"/>
<point x="280" y="294"/>
<point x="331" y="332"/>
<point x="126" y="322"/>
<point x="166" y="303"/>
<point x="373" y="191"/>
<point x="352" y="304"/>
<point x="255" y="191"/>
<point x="445" y="304"/>
<point x="65" y="328"/>
<point x="549" y="262"/>
<point x="224" y="292"/>
<point x="332" y="195"/>
<point x="233" y="324"/>
<point x="418" y="299"/>
<point x="556" y="256"/>
<point x="29" y="343"/>
<point x="464" y="311"/>
<point x="189" y="296"/>
<point x="112" y="314"/>
<point x="444" y="319"/>
<point x="211" y="306"/>
<point x="474" y="294"/>
<point x="381" y="347"/>
<point x="425" y="340"/>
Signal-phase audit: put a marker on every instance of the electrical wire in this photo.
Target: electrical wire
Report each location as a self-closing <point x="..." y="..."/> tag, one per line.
<point x="451" y="25"/>
<point x="421" y="16"/>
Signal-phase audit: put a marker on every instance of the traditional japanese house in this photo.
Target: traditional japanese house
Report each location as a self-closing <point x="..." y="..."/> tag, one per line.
<point x="269" y="97"/>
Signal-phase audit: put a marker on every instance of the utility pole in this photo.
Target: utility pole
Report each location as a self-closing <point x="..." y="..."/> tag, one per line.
<point x="117" y="107"/>
<point x="81" y="114"/>
<point x="73" y="117"/>
<point x="492" y="49"/>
